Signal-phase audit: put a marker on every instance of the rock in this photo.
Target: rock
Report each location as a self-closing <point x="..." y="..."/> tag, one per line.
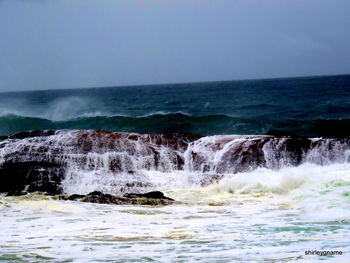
<point x="31" y="177"/>
<point x="74" y="197"/>
<point x="153" y="195"/>
<point x="16" y="193"/>
<point x="29" y="134"/>
<point x="281" y="133"/>
<point x="3" y="138"/>
<point x="95" y="193"/>
<point x="152" y="198"/>
<point x="39" y="160"/>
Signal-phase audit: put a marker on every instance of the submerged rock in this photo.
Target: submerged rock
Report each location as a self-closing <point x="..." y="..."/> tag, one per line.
<point x="155" y="198"/>
<point x="16" y="193"/>
<point x="152" y="195"/>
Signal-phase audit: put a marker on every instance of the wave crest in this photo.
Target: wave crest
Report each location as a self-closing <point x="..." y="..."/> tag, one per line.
<point x="161" y="123"/>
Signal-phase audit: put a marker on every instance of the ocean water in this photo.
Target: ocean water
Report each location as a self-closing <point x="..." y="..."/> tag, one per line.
<point x="312" y="106"/>
<point x="262" y="216"/>
<point x="242" y="198"/>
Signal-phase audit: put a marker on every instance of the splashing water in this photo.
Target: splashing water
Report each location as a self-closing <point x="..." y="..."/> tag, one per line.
<point x="243" y="198"/>
<point x="271" y="202"/>
<point x="248" y="217"/>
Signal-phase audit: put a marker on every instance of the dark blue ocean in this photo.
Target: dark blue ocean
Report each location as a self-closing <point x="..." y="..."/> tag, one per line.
<point x="308" y="106"/>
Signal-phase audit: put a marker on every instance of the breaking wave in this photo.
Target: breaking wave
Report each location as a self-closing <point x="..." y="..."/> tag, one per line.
<point x="161" y="123"/>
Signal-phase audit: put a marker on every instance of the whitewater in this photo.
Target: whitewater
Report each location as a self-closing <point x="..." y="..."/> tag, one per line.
<point x="258" y="216"/>
<point x="259" y="171"/>
<point x="242" y="198"/>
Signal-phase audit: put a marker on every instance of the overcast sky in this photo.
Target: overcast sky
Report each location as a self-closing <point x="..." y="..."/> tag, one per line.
<point x="50" y="44"/>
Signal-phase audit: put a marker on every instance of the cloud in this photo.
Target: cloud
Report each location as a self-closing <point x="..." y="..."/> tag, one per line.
<point x="84" y="43"/>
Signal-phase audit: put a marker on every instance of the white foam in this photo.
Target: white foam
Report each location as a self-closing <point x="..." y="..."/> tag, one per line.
<point x="131" y="162"/>
<point x="316" y="191"/>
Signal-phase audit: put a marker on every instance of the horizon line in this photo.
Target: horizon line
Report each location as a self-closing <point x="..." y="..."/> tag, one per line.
<point x="181" y="83"/>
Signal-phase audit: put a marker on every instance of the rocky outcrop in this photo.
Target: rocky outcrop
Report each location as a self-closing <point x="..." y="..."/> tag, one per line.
<point x="51" y="161"/>
<point x="39" y="160"/>
<point x="31" y="176"/>
<point x="155" y="198"/>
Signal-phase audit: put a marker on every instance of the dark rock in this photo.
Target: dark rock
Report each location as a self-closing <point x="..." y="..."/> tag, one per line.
<point x="3" y="138"/>
<point x="243" y="156"/>
<point x="151" y="198"/>
<point x="297" y="146"/>
<point x="95" y="193"/>
<point x="16" y="193"/>
<point x="42" y="185"/>
<point x="153" y="195"/>
<point x="100" y="198"/>
<point x="31" y="177"/>
<point x="280" y="133"/>
<point x="29" y="134"/>
<point x="75" y="197"/>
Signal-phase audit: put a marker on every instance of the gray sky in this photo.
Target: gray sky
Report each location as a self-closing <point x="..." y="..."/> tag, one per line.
<point x="47" y="44"/>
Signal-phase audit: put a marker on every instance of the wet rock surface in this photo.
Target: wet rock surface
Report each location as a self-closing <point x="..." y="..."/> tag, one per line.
<point x="31" y="176"/>
<point x="151" y="198"/>
<point x="42" y="160"/>
<point x="154" y="198"/>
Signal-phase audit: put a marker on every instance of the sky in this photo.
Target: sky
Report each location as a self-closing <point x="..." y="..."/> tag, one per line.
<point x="53" y="44"/>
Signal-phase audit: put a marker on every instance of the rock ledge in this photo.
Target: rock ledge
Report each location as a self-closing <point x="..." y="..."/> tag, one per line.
<point x="154" y="198"/>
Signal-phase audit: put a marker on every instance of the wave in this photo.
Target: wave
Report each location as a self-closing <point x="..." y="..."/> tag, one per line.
<point x="157" y="123"/>
<point x="164" y="113"/>
<point x="161" y="123"/>
<point x="310" y="189"/>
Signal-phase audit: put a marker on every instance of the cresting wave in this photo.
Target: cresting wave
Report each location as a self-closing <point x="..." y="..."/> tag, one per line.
<point x="178" y="122"/>
<point x="81" y="161"/>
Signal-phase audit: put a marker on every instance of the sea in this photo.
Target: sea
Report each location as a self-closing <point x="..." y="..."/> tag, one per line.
<point x="265" y="207"/>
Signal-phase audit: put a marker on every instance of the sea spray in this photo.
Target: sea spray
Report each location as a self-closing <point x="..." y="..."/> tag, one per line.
<point x="212" y="108"/>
